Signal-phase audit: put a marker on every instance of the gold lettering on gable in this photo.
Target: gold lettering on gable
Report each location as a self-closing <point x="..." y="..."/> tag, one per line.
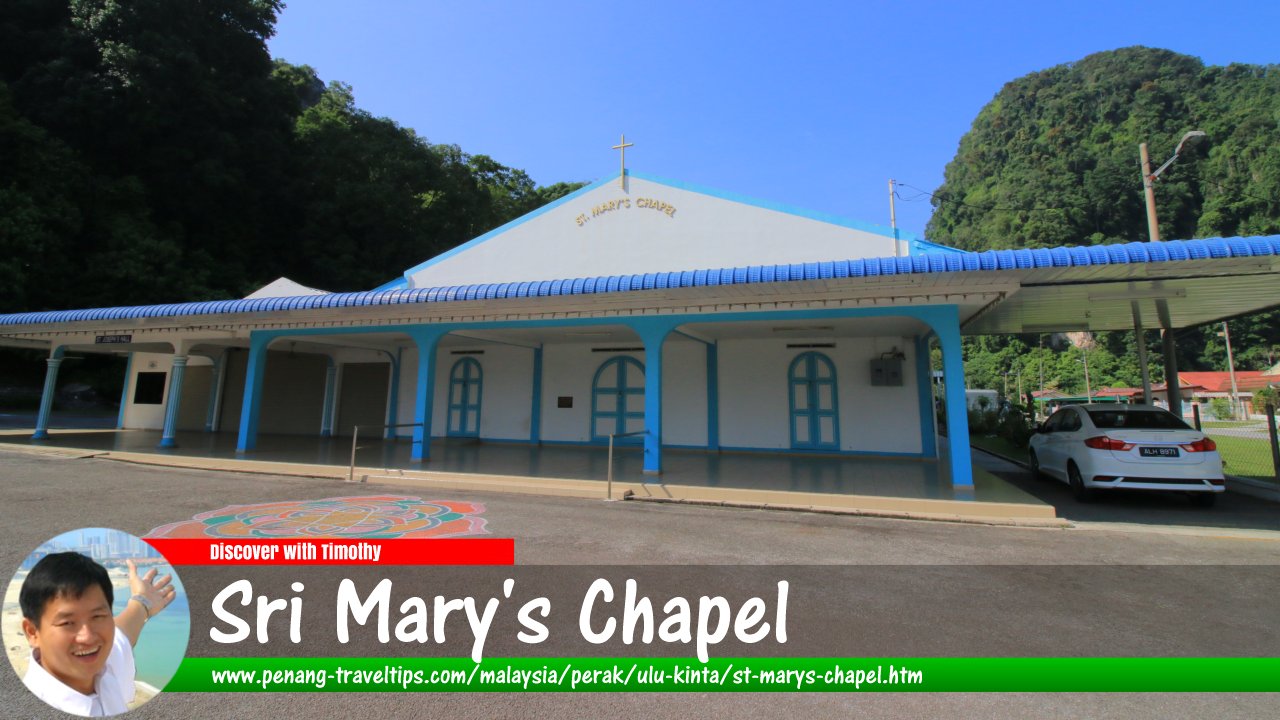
<point x="613" y="206"/>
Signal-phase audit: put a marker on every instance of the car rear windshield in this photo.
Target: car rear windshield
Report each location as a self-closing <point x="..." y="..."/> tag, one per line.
<point x="1136" y="420"/>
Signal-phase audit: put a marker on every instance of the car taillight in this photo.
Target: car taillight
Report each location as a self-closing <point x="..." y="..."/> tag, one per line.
<point x="1202" y="445"/>
<point x="1102" y="442"/>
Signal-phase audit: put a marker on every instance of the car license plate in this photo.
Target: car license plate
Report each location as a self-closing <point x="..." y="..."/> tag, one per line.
<point x="1162" y="452"/>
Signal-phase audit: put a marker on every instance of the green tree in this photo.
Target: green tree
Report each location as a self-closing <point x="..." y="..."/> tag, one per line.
<point x="1052" y="160"/>
<point x="155" y="152"/>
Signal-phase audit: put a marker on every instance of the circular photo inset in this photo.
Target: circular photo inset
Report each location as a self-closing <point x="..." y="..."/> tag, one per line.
<point x="95" y="622"/>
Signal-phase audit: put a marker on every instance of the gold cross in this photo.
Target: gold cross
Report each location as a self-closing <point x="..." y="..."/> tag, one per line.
<point x="623" y="145"/>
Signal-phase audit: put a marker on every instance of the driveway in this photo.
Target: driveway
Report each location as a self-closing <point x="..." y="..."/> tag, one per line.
<point x="1154" y="509"/>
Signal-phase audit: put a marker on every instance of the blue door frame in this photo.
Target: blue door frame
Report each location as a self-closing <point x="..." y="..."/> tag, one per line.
<point x="466" y="385"/>
<point x="615" y="399"/>
<point x="815" y="414"/>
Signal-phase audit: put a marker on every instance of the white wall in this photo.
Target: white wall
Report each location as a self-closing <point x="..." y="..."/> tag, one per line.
<point x="195" y="388"/>
<point x="567" y="370"/>
<point x="506" y="400"/>
<point x="702" y="232"/>
<point x="506" y="403"/>
<point x="684" y="394"/>
<point x="754" y="409"/>
<point x="754" y="412"/>
<point x="146" y="417"/>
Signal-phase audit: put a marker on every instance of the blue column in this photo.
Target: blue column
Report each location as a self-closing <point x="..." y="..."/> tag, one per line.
<point x="46" y="397"/>
<point x="393" y="402"/>
<point x="653" y="331"/>
<point x="124" y="394"/>
<point x="535" y="419"/>
<point x="330" y="386"/>
<point x="257" y="368"/>
<point x="215" y="393"/>
<point x="174" y="402"/>
<point x="924" y="388"/>
<point x="427" y="339"/>
<point x="713" y="396"/>
<point x="948" y="332"/>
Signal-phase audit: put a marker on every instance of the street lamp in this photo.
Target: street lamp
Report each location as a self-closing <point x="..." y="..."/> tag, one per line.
<point x="1149" y="178"/>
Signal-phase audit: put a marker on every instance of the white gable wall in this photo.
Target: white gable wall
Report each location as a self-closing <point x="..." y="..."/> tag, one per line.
<point x="611" y="231"/>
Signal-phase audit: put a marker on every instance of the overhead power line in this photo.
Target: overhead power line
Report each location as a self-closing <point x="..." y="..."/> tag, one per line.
<point x="945" y="199"/>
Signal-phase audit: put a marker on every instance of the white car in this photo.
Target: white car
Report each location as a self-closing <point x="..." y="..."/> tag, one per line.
<point x="1131" y="447"/>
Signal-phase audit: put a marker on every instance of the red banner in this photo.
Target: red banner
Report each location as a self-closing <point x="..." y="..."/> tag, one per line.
<point x="333" y="551"/>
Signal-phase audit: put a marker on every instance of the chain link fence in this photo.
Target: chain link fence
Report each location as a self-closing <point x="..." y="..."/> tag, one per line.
<point x="1248" y="447"/>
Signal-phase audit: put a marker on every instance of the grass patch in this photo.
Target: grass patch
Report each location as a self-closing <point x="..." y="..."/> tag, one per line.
<point x="1245" y="457"/>
<point x="999" y="446"/>
<point x="1229" y="423"/>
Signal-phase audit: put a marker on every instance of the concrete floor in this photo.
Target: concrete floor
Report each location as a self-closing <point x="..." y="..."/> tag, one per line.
<point x="838" y="475"/>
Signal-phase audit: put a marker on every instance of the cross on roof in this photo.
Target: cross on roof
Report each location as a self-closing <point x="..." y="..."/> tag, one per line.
<point x="622" y="146"/>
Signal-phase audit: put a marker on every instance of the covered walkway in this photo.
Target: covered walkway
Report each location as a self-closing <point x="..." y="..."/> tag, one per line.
<point x="893" y="486"/>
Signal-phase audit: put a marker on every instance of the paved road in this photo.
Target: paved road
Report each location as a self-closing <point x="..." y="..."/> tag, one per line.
<point x="1156" y="510"/>
<point x="40" y="496"/>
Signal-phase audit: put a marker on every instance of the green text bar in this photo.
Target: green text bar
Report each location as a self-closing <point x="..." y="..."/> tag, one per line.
<point x="728" y="675"/>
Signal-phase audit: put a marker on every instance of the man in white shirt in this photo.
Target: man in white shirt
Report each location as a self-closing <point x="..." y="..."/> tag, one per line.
<point x="80" y="664"/>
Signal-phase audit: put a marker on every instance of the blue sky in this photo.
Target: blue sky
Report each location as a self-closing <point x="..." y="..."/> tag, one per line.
<point x="812" y="104"/>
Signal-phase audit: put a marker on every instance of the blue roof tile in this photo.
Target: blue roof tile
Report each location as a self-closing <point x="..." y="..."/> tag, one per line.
<point x="1135" y="252"/>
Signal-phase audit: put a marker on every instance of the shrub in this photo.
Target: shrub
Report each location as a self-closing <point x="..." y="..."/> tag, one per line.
<point x="1221" y="408"/>
<point x="1015" y="429"/>
<point x="982" y="422"/>
<point x="1264" y="397"/>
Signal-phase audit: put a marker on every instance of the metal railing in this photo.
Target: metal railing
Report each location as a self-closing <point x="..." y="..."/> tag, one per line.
<point x="355" y="437"/>
<point x="609" y="475"/>
<point x="355" y="440"/>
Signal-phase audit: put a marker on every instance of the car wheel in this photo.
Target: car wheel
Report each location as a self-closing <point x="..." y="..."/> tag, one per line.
<point x="1082" y="493"/>
<point x="1204" y="499"/>
<point x="1035" y="464"/>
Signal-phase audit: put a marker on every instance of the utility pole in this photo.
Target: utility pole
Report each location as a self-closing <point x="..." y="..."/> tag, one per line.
<point x="1088" y="391"/>
<point x="1236" y="406"/>
<point x="1172" y="386"/>
<point x="1149" y="187"/>
<point x="893" y="220"/>
<point x="1140" y="341"/>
